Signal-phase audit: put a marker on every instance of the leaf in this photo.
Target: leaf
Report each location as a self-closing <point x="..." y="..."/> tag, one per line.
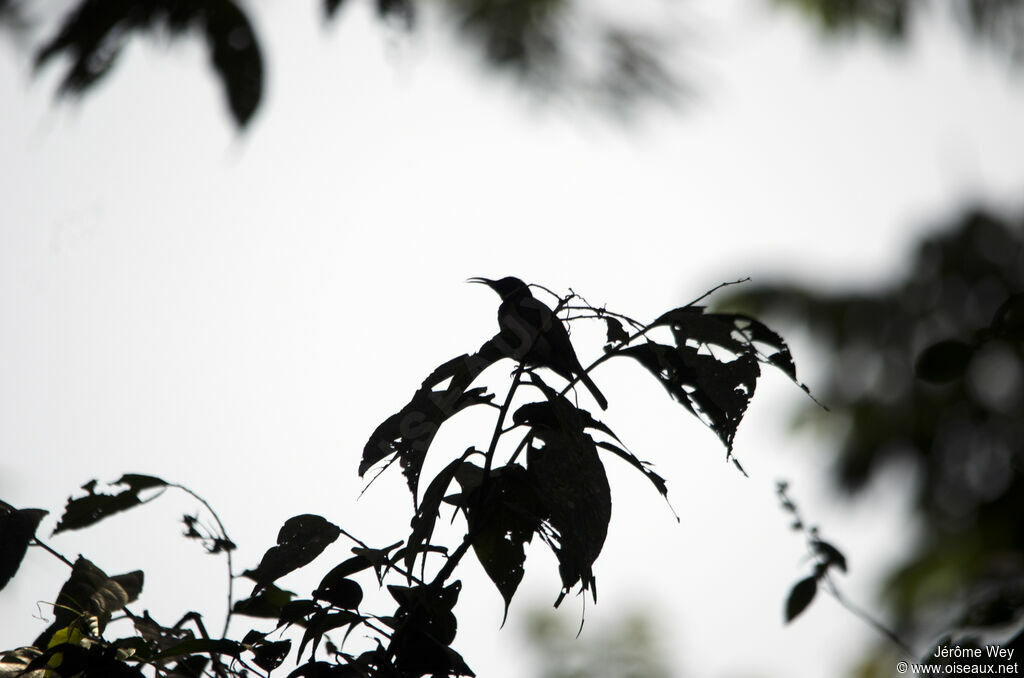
<point x="1008" y="321"/>
<point x="339" y="592"/>
<point x="832" y="555"/>
<point x="800" y="597"/>
<point x="424" y="628"/>
<point x="429" y="509"/>
<point x="235" y="56"/>
<point x="300" y="540"/>
<point x="93" y="507"/>
<point x="943" y="362"/>
<point x="211" y="646"/>
<point x="92" y="36"/>
<point x="642" y="466"/>
<point x="322" y="622"/>
<point x="380" y="559"/>
<point x="408" y="433"/>
<point x="89" y="591"/>
<point x="616" y="333"/>
<point x="266" y="604"/>
<point x="17" y="530"/>
<point x="73" y="661"/>
<point x="716" y="392"/>
<point x="271" y="655"/>
<point x="331" y="7"/>
<point x="502" y="516"/>
<point x="572" y="487"/>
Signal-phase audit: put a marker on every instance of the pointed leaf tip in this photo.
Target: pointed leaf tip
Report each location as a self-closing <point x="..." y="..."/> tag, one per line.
<point x="800" y="597"/>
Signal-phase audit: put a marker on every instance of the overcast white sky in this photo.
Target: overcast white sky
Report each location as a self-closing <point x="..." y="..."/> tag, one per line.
<point x="238" y="313"/>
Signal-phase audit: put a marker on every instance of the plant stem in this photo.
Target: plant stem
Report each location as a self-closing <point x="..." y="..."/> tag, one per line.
<point x="54" y="553"/>
<point x="227" y="552"/>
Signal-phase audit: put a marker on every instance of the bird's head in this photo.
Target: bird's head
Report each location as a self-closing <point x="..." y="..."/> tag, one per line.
<point x="506" y="287"/>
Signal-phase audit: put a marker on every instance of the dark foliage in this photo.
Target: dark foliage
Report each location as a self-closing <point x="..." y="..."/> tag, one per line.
<point x="535" y="40"/>
<point x="929" y="371"/>
<point x="548" y="480"/>
<point x="999" y="23"/>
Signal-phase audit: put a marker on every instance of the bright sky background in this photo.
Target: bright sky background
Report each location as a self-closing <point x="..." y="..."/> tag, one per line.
<point x="237" y="313"/>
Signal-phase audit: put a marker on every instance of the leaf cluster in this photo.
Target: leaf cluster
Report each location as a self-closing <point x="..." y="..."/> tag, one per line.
<point x="541" y="474"/>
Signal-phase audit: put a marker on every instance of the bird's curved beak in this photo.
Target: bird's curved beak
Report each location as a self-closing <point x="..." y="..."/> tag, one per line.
<point x="482" y="281"/>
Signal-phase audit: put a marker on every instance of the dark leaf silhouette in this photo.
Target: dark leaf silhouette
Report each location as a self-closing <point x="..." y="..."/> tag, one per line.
<point x="944" y="361"/>
<point x="268" y="603"/>
<point x="424" y="628"/>
<point x="339" y="591"/>
<point x="17" y="530"/>
<point x="71" y="661"/>
<point x="92" y="35"/>
<point x="322" y="622"/>
<point x="429" y="509"/>
<point x="800" y="597"/>
<point x="642" y="466"/>
<point x="300" y="540"/>
<point x="716" y="392"/>
<point x="89" y="591"/>
<point x="331" y="7"/>
<point x="571" y="485"/>
<point x="1008" y="322"/>
<point x="212" y="646"/>
<point x="271" y="655"/>
<point x="502" y="515"/>
<point x="409" y="432"/>
<point x="832" y="556"/>
<point x="93" y="507"/>
<point x="616" y="333"/>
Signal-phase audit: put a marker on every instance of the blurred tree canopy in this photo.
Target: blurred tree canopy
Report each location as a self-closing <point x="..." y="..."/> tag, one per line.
<point x="996" y="22"/>
<point x="627" y="648"/>
<point x="564" y="47"/>
<point x="572" y="49"/>
<point x="929" y="372"/>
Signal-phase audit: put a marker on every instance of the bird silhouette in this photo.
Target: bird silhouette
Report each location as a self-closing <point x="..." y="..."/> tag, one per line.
<point x="538" y="336"/>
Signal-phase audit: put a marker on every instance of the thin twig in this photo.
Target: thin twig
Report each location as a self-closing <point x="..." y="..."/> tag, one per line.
<point x="227" y="553"/>
<point x="718" y="287"/>
<point x="38" y="542"/>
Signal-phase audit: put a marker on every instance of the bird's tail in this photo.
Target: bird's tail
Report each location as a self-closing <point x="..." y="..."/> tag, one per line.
<point x="594" y="390"/>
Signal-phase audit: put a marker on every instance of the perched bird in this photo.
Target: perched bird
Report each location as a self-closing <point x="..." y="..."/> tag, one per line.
<point x="539" y="337"/>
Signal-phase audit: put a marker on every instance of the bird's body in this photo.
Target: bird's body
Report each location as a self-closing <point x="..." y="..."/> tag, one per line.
<point x="538" y="337"/>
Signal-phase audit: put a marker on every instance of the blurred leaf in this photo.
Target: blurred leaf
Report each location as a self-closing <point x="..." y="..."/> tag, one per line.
<point x="331" y="7"/>
<point x="300" y="540"/>
<point x="800" y="597"/>
<point x="831" y="555"/>
<point x="1009" y="318"/>
<point x="17" y="530"/>
<point x="92" y="34"/>
<point x="944" y="361"/>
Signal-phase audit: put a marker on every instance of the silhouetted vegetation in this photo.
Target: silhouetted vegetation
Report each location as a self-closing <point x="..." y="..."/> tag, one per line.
<point x="540" y="474"/>
<point x="560" y="47"/>
<point x="928" y="376"/>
